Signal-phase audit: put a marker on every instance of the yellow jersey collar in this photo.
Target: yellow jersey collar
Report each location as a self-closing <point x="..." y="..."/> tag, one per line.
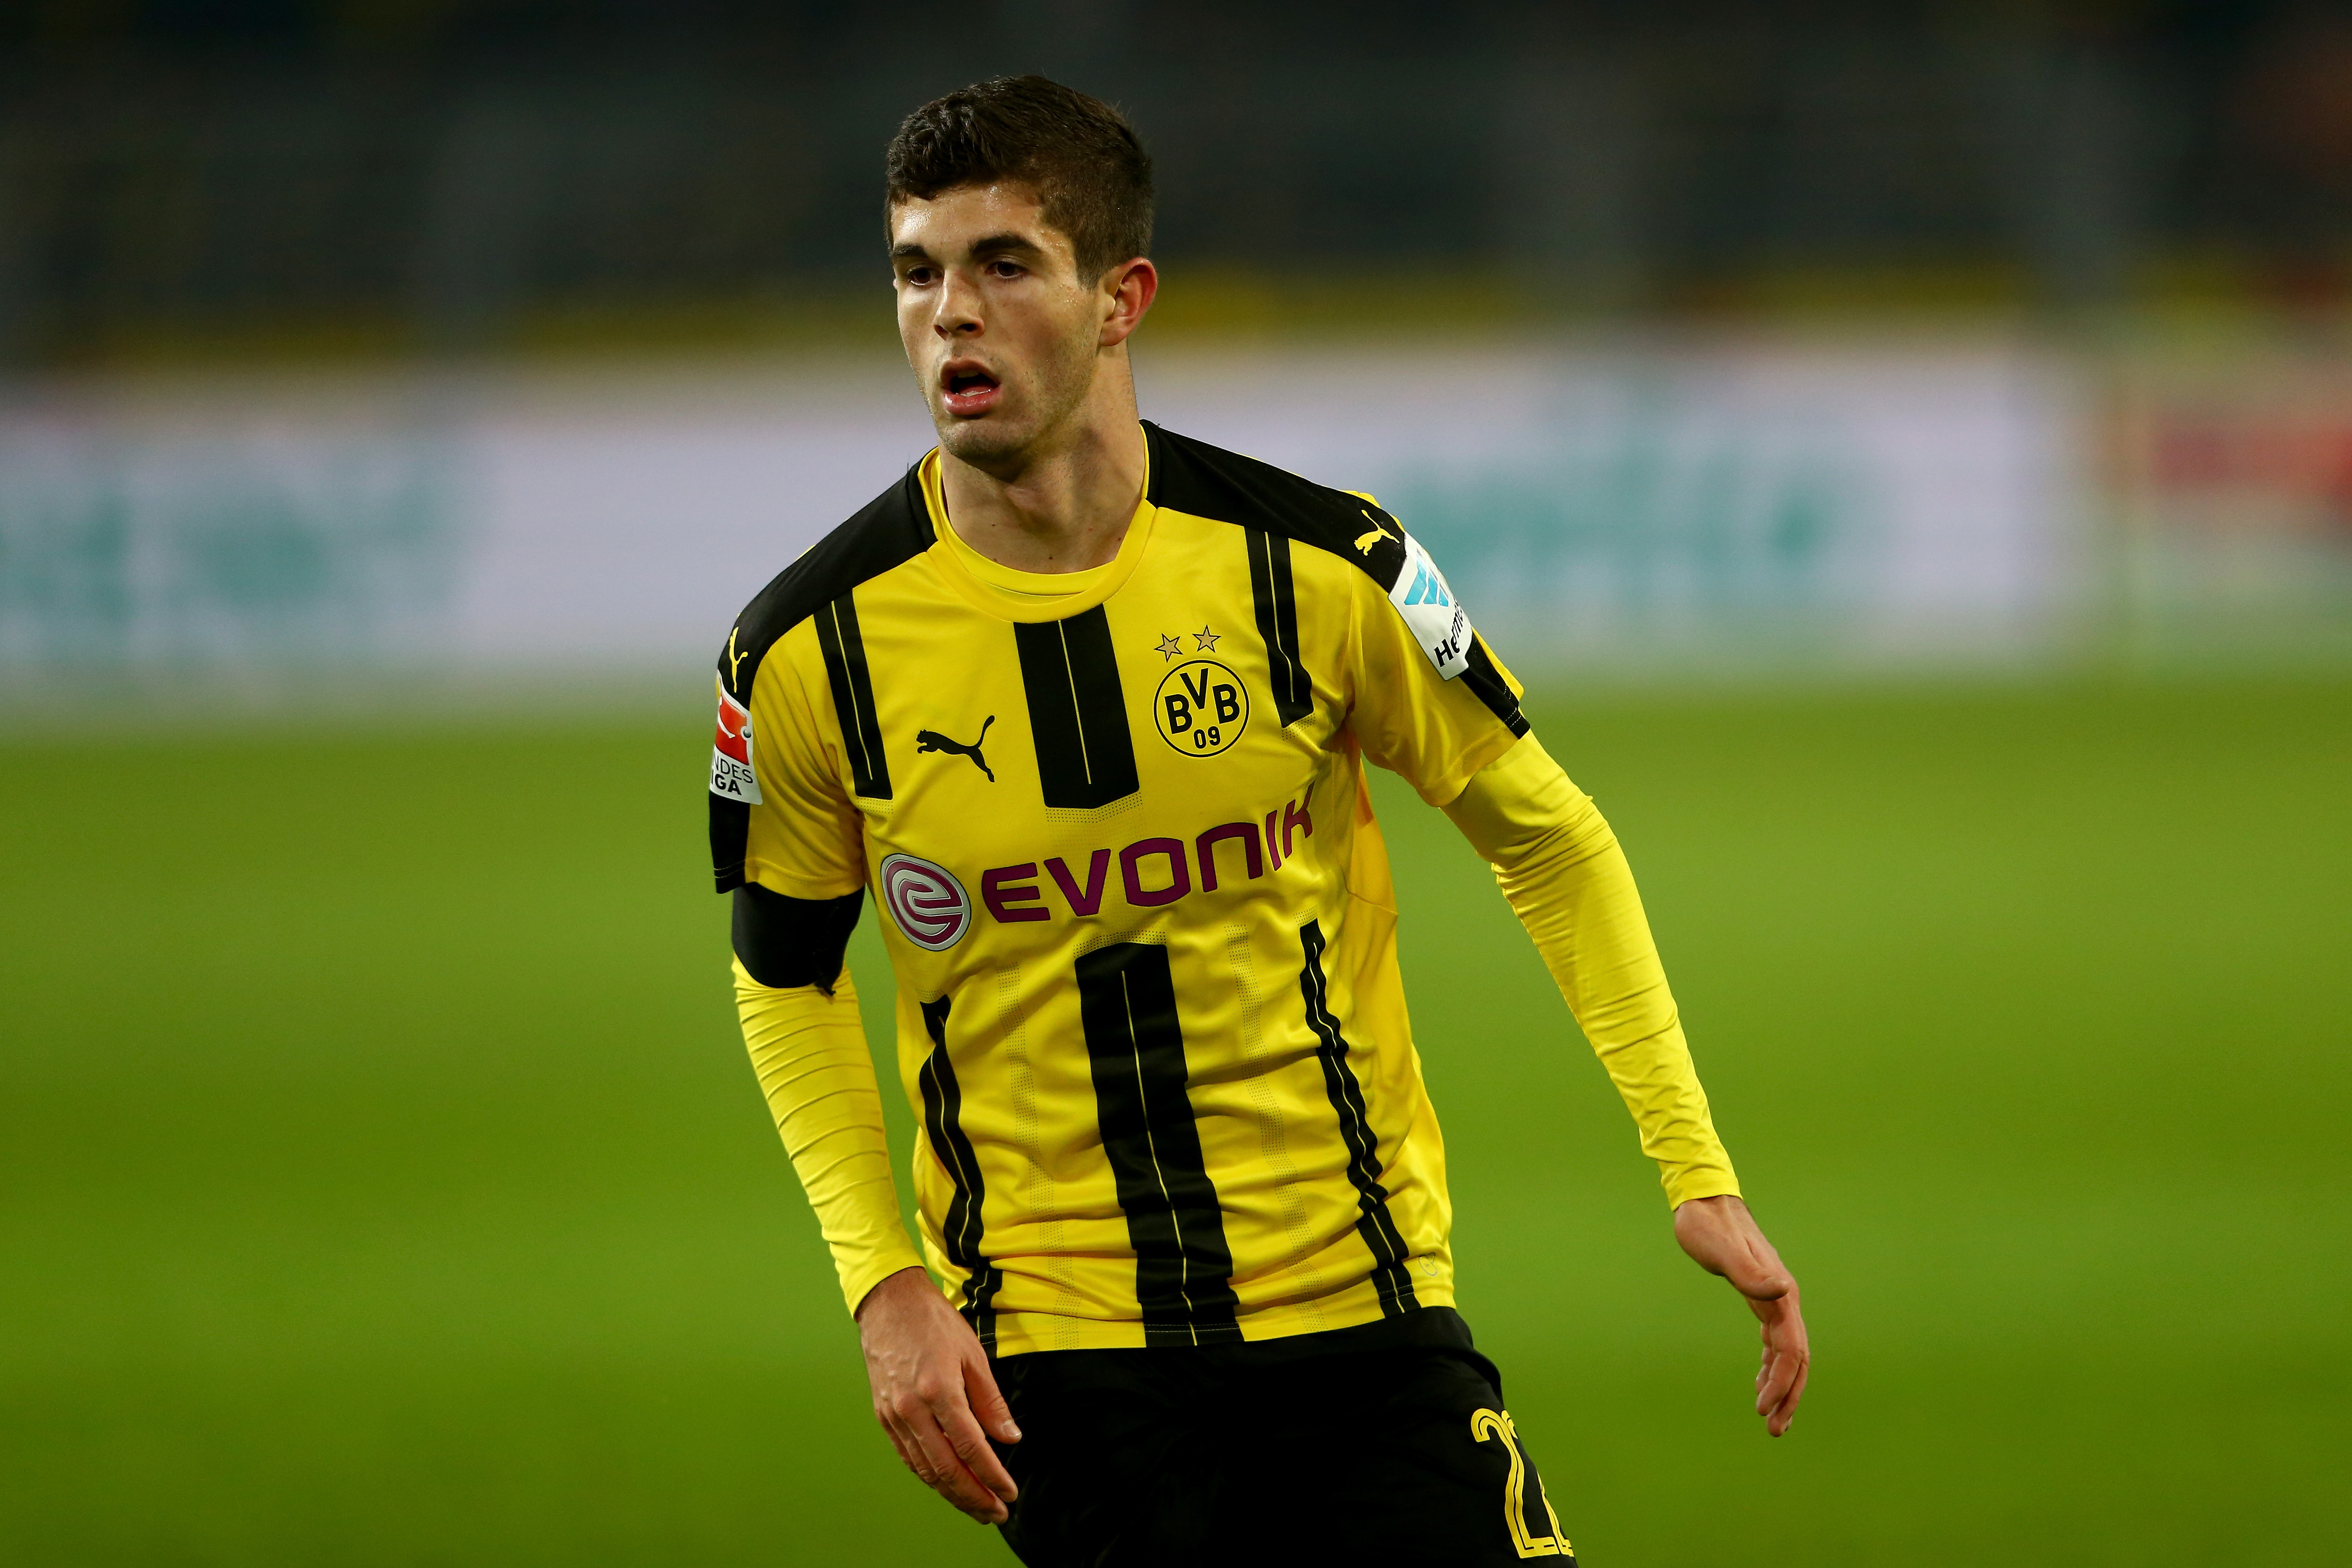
<point x="1033" y="596"/>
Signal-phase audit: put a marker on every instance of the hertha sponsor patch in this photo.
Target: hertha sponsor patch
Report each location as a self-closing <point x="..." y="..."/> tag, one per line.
<point x="732" y="774"/>
<point x="1439" y="623"/>
<point x="926" y="900"/>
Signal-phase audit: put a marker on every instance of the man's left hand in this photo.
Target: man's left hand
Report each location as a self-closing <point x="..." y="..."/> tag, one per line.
<point x="1722" y="1237"/>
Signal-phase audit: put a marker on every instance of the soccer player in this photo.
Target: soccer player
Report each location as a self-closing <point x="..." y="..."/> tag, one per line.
<point x="1085" y="704"/>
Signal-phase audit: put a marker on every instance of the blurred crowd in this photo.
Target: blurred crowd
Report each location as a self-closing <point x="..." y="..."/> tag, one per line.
<point x="443" y="172"/>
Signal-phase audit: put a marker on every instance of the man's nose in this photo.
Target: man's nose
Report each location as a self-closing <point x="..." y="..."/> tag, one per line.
<point x="959" y="310"/>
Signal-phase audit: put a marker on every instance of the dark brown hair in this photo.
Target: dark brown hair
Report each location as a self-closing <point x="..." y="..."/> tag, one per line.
<point x="1090" y="172"/>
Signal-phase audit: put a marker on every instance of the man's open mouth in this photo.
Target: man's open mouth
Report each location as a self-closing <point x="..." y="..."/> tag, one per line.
<point x="968" y="389"/>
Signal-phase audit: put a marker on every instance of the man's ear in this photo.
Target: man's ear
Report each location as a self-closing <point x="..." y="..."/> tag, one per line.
<point x="1128" y="290"/>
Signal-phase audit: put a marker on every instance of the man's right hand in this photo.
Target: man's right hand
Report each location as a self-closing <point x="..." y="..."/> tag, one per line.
<point x="935" y="1396"/>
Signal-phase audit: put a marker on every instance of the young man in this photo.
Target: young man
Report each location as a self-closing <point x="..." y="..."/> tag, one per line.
<point x="1087" y="703"/>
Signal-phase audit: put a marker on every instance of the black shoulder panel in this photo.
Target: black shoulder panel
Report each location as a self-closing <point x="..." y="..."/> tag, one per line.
<point x="1275" y="507"/>
<point x="894" y="528"/>
<point x="1209" y="481"/>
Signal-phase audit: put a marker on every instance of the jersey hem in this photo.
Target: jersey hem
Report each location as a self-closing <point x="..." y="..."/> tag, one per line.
<point x="1021" y="1332"/>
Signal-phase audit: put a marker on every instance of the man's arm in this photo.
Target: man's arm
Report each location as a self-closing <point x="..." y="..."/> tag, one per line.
<point x="1567" y="880"/>
<point x="800" y="1020"/>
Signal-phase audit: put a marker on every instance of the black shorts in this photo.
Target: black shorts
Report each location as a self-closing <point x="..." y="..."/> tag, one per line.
<point x="1386" y="1444"/>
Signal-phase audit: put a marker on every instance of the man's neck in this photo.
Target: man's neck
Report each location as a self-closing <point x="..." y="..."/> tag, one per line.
<point x="1063" y="509"/>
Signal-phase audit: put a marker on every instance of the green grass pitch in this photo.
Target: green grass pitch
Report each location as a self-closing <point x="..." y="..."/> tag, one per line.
<point x="383" y="1181"/>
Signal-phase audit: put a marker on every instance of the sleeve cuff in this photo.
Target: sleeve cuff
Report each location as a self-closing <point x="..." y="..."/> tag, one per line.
<point x="858" y="1282"/>
<point x="1684" y="1186"/>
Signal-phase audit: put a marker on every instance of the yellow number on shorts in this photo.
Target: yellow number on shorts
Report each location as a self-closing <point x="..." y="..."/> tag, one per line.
<point x="1489" y="1424"/>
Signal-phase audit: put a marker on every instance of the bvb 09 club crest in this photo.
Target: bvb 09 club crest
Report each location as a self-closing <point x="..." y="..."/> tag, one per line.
<point x="1201" y="708"/>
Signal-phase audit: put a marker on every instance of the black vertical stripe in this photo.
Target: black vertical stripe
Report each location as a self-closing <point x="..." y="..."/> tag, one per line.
<point x="1085" y="755"/>
<point x="1487" y="684"/>
<point x="853" y="696"/>
<point x="1277" y="601"/>
<point x="962" y="1232"/>
<point x="1376" y="1225"/>
<point x="1183" y="1267"/>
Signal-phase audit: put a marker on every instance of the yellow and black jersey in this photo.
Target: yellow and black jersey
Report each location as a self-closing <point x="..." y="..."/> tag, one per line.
<point x="1133" y="893"/>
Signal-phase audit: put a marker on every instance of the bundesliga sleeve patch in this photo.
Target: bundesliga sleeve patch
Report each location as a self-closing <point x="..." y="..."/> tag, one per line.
<point x="1438" y="622"/>
<point x="730" y="754"/>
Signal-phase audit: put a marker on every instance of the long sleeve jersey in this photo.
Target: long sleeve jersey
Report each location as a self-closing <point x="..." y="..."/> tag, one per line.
<point x="1149" y="1006"/>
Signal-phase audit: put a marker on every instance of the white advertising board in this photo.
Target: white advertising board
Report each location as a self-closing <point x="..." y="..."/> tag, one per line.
<point x="1642" y="508"/>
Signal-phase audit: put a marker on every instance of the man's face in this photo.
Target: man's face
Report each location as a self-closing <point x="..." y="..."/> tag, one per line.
<point x="1002" y="331"/>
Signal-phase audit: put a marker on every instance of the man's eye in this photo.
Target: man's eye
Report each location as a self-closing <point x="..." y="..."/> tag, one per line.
<point x="1005" y="268"/>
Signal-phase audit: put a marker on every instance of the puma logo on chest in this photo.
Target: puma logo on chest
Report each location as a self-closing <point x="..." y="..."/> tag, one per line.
<point x="932" y="740"/>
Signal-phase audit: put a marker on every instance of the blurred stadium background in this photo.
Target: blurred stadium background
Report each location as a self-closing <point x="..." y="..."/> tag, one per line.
<point x="1909" y="451"/>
